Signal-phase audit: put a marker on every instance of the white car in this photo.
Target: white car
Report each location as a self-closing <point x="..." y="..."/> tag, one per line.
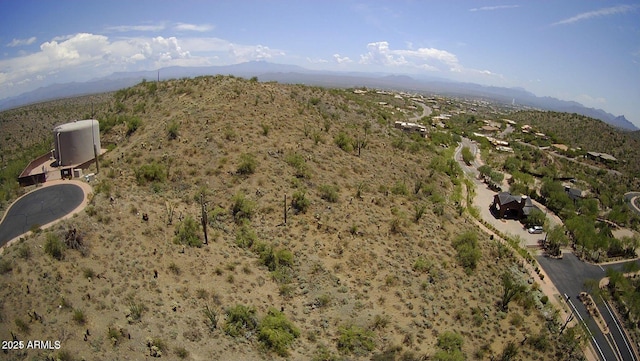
<point x="535" y="230"/>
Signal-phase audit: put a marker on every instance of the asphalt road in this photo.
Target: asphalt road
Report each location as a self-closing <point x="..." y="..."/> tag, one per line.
<point x="569" y="275"/>
<point x="39" y="207"/>
<point x="630" y="197"/>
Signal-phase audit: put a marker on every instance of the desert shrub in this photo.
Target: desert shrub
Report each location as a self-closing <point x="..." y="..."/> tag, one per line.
<point x="136" y="309"/>
<point x="329" y="193"/>
<point x="450" y="344"/>
<point x="468" y="250"/>
<point x="173" y="130"/>
<point x="174" y="268"/>
<point x="356" y="340"/>
<point x="65" y="355"/>
<point x="297" y="161"/>
<point x="540" y="342"/>
<point x="422" y="265"/>
<point x="240" y="320"/>
<point x="24" y="251"/>
<point x="276" y="332"/>
<point x="79" y="317"/>
<point x="88" y="273"/>
<point x="181" y="352"/>
<point x="151" y="172"/>
<point x="211" y="317"/>
<point x="133" y="123"/>
<point x="53" y="246"/>
<point x="22" y="326"/>
<point x="400" y="188"/>
<point x="344" y="142"/>
<point x="265" y="129"/>
<point x="241" y="208"/>
<point x="5" y="266"/>
<point x="275" y="259"/>
<point x="300" y="202"/>
<point x="187" y="233"/>
<point x="248" y="164"/>
<point x="246" y="236"/>
<point x="419" y="210"/>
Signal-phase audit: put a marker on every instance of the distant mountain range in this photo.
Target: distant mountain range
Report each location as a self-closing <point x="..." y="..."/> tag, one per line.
<point x="283" y="73"/>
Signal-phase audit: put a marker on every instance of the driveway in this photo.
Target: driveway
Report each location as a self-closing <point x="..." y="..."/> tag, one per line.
<point x="40" y="207"/>
<point x="484" y="198"/>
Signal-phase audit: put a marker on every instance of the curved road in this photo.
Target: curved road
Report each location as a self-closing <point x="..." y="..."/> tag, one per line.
<point x="631" y="197"/>
<point x="39" y="207"/>
<point x="568" y="276"/>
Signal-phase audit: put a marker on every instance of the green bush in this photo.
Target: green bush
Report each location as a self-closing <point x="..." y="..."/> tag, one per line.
<point x="300" y="202"/>
<point x="133" y="123"/>
<point x="248" y="164"/>
<point x="274" y="259"/>
<point x="5" y="266"/>
<point x="450" y="344"/>
<point x="400" y="188"/>
<point x="151" y="172"/>
<point x="298" y="162"/>
<point x="246" y="236"/>
<point x="329" y="193"/>
<point x="242" y="208"/>
<point x="173" y="130"/>
<point x="344" y="142"/>
<point x="54" y="247"/>
<point x="240" y="320"/>
<point x="79" y="317"/>
<point x="187" y="233"/>
<point x="422" y="265"/>
<point x="276" y="332"/>
<point x="211" y="317"/>
<point x="468" y="250"/>
<point x="356" y="340"/>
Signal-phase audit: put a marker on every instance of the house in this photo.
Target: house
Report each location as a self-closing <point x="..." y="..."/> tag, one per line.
<point x="573" y="193"/>
<point x="560" y="147"/>
<point x="412" y="127"/>
<point x="507" y="205"/>
<point x="602" y="157"/>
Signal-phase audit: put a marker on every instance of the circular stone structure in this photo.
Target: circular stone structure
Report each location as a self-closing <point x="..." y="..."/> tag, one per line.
<point x="77" y="142"/>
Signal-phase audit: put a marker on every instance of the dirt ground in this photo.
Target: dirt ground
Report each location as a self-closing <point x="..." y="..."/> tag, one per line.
<point x="363" y="259"/>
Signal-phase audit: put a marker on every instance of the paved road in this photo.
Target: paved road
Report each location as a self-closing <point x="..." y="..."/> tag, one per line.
<point x="631" y="197"/>
<point x="569" y="275"/>
<point x="39" y="207"/>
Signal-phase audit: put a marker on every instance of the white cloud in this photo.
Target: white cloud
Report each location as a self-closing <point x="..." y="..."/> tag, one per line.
<point x="379" y="53"/>
<point x="317" y="61"/>
<point x="621" y="9"/>
<point x="83" y="56"/>
<point x="244" y="53"/>
<point x="492" y="8"/>
<point x="128" y="28"/>
<point x="193" y="27"/>
<point x="22" y="42"/>
<point x="591" y="101"/>
<point x="342" y="59"/>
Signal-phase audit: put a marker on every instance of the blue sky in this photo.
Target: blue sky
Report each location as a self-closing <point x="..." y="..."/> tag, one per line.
<point x="587" y="51"/>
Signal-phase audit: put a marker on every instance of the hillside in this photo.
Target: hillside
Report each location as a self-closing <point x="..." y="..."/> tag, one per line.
<point x="377" y="259"/>
<point x="591" y="135"/>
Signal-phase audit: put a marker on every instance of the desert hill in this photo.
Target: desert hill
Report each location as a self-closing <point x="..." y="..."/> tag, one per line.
<point x="377" y="259"/>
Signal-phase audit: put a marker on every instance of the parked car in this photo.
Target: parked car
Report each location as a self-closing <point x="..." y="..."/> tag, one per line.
<point x="535" y="230"/>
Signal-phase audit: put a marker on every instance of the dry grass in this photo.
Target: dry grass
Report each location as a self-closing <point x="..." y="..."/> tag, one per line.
<point x="361" y="261"/>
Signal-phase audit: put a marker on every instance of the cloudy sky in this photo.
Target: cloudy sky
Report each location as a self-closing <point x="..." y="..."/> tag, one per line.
<point x="582" y="50"/>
